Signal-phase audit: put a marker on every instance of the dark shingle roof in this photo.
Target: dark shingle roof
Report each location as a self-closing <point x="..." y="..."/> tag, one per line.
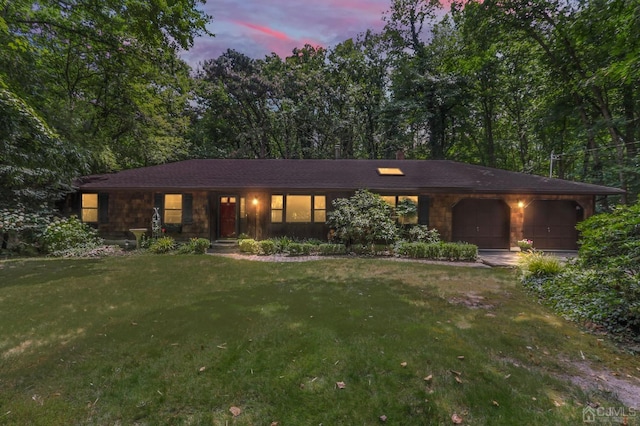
<point x="425" y="175"/>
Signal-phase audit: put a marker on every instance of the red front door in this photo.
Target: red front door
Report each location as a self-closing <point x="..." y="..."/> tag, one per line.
<point x="227" y="217"/>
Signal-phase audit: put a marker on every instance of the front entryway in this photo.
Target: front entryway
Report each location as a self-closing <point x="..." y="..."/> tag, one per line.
<point x="227" y="217"/>
<point x="482" y="222"/>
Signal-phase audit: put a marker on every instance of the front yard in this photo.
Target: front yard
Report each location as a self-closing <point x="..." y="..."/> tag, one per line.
<point x="145" y="339"/>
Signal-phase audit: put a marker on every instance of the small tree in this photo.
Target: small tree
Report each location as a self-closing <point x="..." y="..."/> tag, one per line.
<point x="364" y="218"/>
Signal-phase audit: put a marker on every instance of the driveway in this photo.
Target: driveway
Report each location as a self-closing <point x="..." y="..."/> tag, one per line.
<point x="506" y="258"/>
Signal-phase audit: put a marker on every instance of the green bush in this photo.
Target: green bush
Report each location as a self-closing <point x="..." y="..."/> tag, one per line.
<point x="195" y="246"/>
<point x="67" y="234"/>
<point x="162" y="245"/>
<point x="362" y="219"/>
<point x="332" y="249"/>
<point x="267" y="247"/>
<point x="422" y="234"/>
<point x="249" y="246"/>
<point x="300" y="249"/>
<point x="539" y="264"/>
<point x="282" y="244"/>
<point x="438" y="251"/>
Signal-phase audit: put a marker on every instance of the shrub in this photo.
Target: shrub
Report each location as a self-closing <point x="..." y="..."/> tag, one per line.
<point x="300" y="249"/>
<point x="282" y="244"/>
<point x="267" y="247"/>
<point x="435" y="251"/>
<point x="249" y="246"/>
<point x="69" y="233"/>
<point x="362" y="219"/>
<point x="195" y="246"/>
<point x="332" y="249"/>
<point x="422" y="234"/>
<point x="539" y="264"/>
<point x="163" y="245"/>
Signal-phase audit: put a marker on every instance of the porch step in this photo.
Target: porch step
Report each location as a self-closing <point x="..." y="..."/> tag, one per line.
<point x="225" y="246"/>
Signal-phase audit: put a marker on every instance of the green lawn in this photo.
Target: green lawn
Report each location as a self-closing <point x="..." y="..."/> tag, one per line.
<point x="148" y="339"/>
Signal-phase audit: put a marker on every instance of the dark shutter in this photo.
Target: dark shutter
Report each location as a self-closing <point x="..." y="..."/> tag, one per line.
<point x="423" y="210"/>
<point x="187" y="208"/>
<point x="103" y="207"/>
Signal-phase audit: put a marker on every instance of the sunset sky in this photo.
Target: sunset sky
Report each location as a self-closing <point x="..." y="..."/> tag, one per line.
<point x="259" y="27"/>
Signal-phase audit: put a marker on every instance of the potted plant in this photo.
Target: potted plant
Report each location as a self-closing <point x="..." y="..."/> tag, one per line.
<point x="525" y="244"/>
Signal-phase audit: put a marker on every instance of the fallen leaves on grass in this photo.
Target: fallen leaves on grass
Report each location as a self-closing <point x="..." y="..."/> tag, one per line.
<point x="341" y="385"/>
<point x="456" y="419"/>
<point x="235" y="411"/>
<point x="201" y="369"/>
<point x="403" y="364"/>
<point x="428" y="378"/>
<point x="495" y="403"/>
<point x="383" y="418"/>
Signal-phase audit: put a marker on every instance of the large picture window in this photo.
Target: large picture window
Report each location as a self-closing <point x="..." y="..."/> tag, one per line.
<point x="298" y="208"/>
<point x="89" y="211"/>
<point x="173" y="208"/>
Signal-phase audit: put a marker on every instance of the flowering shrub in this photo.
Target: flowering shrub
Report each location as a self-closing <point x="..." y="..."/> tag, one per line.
<point x="422" y="234"/>
<point x="362" y="219"/>
<point x="525" y="244"/>
<point x="69" y="233"/>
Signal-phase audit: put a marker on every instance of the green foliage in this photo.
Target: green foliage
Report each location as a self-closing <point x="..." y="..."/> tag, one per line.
<point x="422" y="234"/>
<point x="249" y="246"/>
<point x="603" y="285"/>
<point x="612" y="240"/>
<point x="362" y="219"/>
<point x="332" y="249"/>
<point x="300" y="249"/>
<point x="69" y="233"/>
<point x="438" y="251"/>
<point x="539" y="264"/>
<point x="195" y="246"/>
<point x="268" y="247"/>
<point x="163" y="245"/>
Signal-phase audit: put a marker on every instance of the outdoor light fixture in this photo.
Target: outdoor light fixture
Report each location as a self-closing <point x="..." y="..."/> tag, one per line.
<point x="255" y="201"/>
<point x="521" y="204"/>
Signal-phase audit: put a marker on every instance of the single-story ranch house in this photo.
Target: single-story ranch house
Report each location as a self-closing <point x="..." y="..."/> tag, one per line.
<point x="219" y="199"/>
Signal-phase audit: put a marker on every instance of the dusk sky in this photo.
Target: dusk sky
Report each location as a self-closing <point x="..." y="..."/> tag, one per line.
<point x="259" y="27"/>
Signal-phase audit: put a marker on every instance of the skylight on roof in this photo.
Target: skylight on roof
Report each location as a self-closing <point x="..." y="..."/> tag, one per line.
<point x="390" y="171"/>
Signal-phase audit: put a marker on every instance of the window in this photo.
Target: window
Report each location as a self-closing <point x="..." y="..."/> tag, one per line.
<point x="277" y="207"/>
<point x="173" y="208"/>
<point x="402" y="204"/>
<point x="89" y="210"/>
<point x="243" y="207"/>
<point x="298" y="208"/>
<point x="319" y="208"/>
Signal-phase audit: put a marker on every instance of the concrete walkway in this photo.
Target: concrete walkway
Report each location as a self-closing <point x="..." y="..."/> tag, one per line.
<point x="509" y="259"/>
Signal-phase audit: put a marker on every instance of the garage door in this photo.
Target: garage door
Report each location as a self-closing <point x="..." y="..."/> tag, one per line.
<point x="551" y="224"/>
<point x="484" y="223"/>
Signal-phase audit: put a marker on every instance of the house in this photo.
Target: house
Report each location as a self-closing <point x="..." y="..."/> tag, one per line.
<point x="220" y="199"/>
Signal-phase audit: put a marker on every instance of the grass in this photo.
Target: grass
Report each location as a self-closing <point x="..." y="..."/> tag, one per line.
<point x="181" y="339"/>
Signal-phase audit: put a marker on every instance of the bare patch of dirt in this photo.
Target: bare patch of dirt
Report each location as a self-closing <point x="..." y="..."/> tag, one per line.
<point x="471" y="300"/>
<point x="625" y="388"/>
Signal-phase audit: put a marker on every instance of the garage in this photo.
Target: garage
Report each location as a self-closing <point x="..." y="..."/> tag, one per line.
<point x="551" y="224"/>
<point x="483" y="222"/>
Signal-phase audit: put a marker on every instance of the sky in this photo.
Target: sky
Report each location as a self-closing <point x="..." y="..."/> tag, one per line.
<point x="259" y="27"/>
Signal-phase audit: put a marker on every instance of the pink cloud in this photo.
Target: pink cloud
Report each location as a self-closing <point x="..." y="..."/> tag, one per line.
<point x="265" y="30"/>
